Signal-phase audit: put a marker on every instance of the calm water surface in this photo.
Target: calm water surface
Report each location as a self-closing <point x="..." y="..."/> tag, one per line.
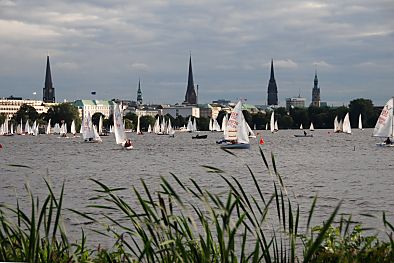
<point x="333" y="166"/>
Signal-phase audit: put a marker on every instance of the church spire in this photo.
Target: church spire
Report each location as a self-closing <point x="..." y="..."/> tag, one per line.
<point x="48" y="91"/>
<point x="272" y="88"/>
<point x="139" y="93"/>
<point x="190" y="97"/>
<point x="315" y="92"/>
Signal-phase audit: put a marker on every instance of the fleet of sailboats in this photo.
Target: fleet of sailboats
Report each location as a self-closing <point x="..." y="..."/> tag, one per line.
<point x="236" y="131"/>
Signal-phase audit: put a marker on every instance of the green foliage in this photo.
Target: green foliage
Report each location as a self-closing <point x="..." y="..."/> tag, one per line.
<point x="26" y="112"/>
<point x="66" y="112"/>
<point x="203" y="124"/>
<point x="145" y="121"/>
<point x="342" y="245"/>
<point x="2" y="118"/>
<point x="366" y="109"/>
<point x="131" y="120"/>
<point x="96" y="118"/>
<point x="184" y="222"/>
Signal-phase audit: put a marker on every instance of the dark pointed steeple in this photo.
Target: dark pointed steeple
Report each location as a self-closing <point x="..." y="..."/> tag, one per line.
<point x="316" y="92"/>
<point x="190" y="97"/>
<point x="272" y="88"/>
<point x="139" y="93"/>
<point x="48" y="91"/>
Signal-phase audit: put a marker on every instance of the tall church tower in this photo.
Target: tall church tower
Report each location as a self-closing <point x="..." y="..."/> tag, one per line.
<point x="190" y="97"/>
<point x="315" y="92"/>
<point x="139" y="94"/>
<point x="272" y="88"/>
<point x="49" y="90"/>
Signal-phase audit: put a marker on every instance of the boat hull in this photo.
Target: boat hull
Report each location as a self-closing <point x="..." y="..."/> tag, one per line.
<point x="383" y="144"/>
<point x="235" y="146"/>
<point x="200" y="136"/>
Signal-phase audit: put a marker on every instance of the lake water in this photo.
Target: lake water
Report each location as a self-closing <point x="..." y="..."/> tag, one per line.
<point x="333" y="166"/>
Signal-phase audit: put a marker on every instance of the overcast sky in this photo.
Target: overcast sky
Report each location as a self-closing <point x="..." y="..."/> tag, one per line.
<point x="106" y="46"/>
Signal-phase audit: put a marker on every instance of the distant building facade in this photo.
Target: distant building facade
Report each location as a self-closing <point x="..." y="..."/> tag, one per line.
<point x="49" y="90"/>
<point x="106" y="107"/>
<point x="315" y="92"/>
<point x="297" y="102"/>
<point x="182" y="110"/>
<point x="272" y="88"/>
<point x="191" y="96"/>
<point x="209" y="110"/>
<point x="9" y="106"/>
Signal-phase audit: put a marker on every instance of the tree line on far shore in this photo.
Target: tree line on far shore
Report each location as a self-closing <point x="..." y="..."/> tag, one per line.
<point x="321" y="117"/>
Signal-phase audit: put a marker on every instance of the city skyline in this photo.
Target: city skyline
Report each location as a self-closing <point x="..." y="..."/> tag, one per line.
<point x="107" y="47"/>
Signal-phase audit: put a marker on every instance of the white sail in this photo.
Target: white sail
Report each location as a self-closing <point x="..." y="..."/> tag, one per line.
<point x="170" y="130"/>
<point x="360" y="122"/>
<point x="236" y="126"/>
<point x="336" y="124"/>
<point x="88" y="133"/>
<point x="100" y="127"/>
<point x="138" y="126"/>
<point x="216" y="126"/>
<point x="250" y="131"/>
<point x="27" y="127"/>
<point x="156" y="127"/>
<point x="194" y="125"/>
<point x="224" y="122"/>
<point x="266" y="126"/>
<point x="190" y="125"/>
<point x="210" y="127"/>
<point x="96" y="136"/>
<point x="73" y="130"/>
<point x="301" y="128"/>
<point x="346" y="124"/>
<point x="34" y="129"/>
<point x="311" y="128"/>
<point x="48" y="129"/>
<point x="149" y="129"/>
<point x="272" y="122"/>
<point x="56" y="128"/>
<point x="120" y="135"/>
<point x="385" y="125"/>
<point x="276" y="126"/>
<point x="12" y="128"/>
<point x="63" y="129"/>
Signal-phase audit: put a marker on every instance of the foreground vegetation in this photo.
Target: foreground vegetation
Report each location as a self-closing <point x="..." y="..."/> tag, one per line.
<point x="185" y="223"/>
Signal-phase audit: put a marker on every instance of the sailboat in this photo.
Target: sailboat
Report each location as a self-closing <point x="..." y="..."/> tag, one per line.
<point x="138" y="126"/>
<point x="360" y="123"/>
<point x="276" y="126"/>
<point x="149" y="129"/>
<point x="48" y="129"/>
<point x="336" y="125"/>
<point x="311" y="128"/>
<point x="301" y="128"/>
<point x="250" y="131"/>
<point x="385" y="124"/>
<point x="96" y="136"/>
<point x="346" y="124"/>
<point x="237" y="133"/>
<point x="73" y="130"/>
<point x="272" y="122"/>
<point x="190" y="125"/>
<point x="215" y="126"/>
<point x="88" y="131"/>
<point x="120" y="135"/>
<point x="170" y="130"/>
